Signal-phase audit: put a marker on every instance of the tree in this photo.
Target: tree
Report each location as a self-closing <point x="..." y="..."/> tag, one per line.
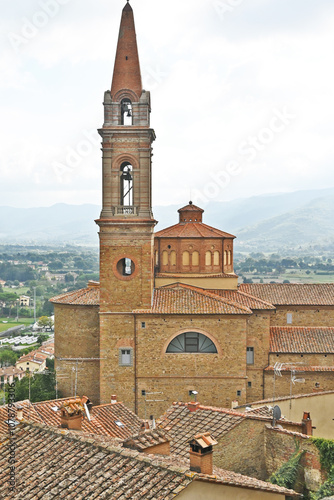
<point x="42" y="387"/>
<point x="45" y="322"/>
<point x="41" y="339"/>
<point x="69" y="278"/>
<point x="8" y="357"/>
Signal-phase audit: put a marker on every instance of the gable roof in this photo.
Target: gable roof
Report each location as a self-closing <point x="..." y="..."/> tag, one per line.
<point x="57" y="463"/>
<point x="192" y="230"/>
<point x="244" y="299"/>
<point x="187" y="299"/>
<point x="299" y="339"/>
<point x="182" y="425"/>
<point x="320" y="294"/>
<point x="103" y="417"/>
<point x="89" y="296"/>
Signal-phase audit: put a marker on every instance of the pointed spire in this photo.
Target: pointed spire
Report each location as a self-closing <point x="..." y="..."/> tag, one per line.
<point x="127" y="68"/>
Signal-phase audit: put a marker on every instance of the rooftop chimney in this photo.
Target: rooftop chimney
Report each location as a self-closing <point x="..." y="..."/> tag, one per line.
<point x="193" y="406"/>
<point x="71" y="415"/>
<point x="307" y="424"/>
<point x="19" y="412"/>
<point x="113" y="399"/>
<point x="201" y="453"/>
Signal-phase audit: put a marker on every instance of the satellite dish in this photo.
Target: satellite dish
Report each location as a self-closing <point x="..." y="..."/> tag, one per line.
<point x="87" y="412"/>
<point x="276" y="414"/>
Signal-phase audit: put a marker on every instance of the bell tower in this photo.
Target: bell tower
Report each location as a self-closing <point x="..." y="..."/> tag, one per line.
<point x="126" y="221"/>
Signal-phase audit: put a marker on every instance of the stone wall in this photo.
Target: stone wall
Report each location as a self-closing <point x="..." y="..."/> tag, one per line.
<point x="77" y="336"/>
<point x="304" y="316"/>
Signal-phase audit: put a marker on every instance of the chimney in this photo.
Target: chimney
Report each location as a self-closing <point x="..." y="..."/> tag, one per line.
<point x="113" y="399"/>
<point x="145" y="425"/>
<point x="201" y="453"/>
<point x="71" y="414"/>
<point x="193" y="406"/>
<point x="307" y="424"/>
<point x="19" y="412"/>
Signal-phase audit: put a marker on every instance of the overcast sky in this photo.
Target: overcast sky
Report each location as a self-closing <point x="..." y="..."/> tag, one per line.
<point x="242" y="96"/>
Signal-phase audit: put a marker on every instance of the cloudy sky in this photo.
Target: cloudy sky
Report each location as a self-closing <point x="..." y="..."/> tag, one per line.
<point x="242" y="96"/>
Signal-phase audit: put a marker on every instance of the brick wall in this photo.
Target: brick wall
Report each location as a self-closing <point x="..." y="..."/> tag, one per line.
<point x="325" y="381"/>
<point x="77" y="336"/>
<point x="304" y="316"/>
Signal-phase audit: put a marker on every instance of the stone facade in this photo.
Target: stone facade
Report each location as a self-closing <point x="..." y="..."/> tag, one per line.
<point x="112" y="338"/>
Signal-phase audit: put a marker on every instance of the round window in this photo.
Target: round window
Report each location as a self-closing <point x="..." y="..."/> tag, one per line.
<point x="125" y="267"/>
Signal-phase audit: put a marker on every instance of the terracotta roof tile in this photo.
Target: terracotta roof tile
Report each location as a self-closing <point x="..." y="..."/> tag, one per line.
<point x="103" y="418"/>
<point x="54" y="463"/>
<point x="244" y="299"/>
<point x="233" y="479"/>
<point x="298" y="339"/>
<point x="89" y="296"/>
<point x="182" y="425"/>
<point x="146" y="439"/>
<point x="186" y="299"/>
<point x="192" y="230"/>
<point x="292" y="293"/>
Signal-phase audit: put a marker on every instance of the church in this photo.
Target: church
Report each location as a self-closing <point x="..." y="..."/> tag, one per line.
<point x="168" y="320"/>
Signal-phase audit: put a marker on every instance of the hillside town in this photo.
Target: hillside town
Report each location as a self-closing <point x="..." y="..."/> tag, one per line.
<point x="170" y="368"/>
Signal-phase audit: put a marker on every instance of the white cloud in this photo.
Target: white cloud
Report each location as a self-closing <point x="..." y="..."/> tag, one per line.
<point x="214" y="84"/>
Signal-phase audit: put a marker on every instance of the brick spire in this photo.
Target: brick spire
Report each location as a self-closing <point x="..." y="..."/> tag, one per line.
<point x="127" y="68"/>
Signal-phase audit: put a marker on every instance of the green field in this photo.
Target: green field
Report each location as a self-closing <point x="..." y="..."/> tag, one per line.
<point x="12" y="322"/>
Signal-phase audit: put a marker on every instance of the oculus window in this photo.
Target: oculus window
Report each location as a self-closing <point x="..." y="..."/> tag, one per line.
<point x="191" y="342"/>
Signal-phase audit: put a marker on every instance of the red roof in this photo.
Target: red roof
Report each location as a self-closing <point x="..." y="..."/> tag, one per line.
<point x="299" y="339"/>
<point x="89" y="296"/>
<point x="186" y="299"/>
<point x="244" y="299"/>
<point x="319" y="294"/>
<point x="192" y="230"/>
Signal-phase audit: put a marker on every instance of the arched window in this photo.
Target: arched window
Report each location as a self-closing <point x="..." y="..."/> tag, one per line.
<point x="173" y="258"/>
<point x="195" y="259"/>
<point x="156" y="258"/>
<point x="216" y="258"/>
<point x="126" y="112"/>
<point x="165" y="258"/>
<point x="208" y="258"/>
<point x="185" y="258"/>
<point x="229" y="260"/>
<point x="126" y="185"/>
<point x="192" y="342"/>
<point x="225" y="258"/>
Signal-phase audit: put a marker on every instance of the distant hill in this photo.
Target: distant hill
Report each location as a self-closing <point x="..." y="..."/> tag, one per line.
<point x="261" y="223"/>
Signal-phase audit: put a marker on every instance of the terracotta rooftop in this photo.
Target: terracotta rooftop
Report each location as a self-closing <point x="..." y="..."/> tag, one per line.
<point x="186" y="299"/>
<point x="190" y="208"/>
<point x="262" y="411"/>
<point x="230" y="478"/>
<point x="89" y="296"/>
<point x="103" y="418"/>
<point x="146" y="440"/>
<point x="292" y="294"/>
<point x="244" y="299"/>
<point x="192" y="230"/>
<point x="182" y="425"/>
<point x="56" y="463"/>
<point x="298" y="339"/>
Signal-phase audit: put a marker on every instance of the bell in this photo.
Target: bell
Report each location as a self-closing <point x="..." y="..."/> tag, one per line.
<point x="127" y="176"/>
<point x="129" y="113"/>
